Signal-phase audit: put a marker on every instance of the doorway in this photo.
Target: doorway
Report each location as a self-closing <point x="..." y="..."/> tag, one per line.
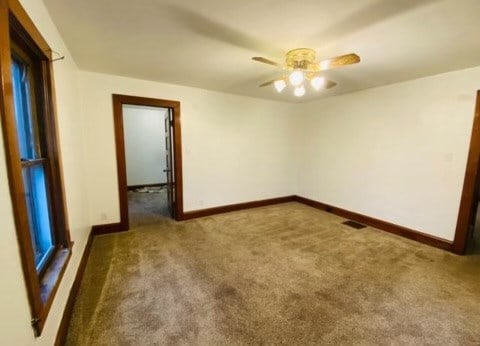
<point x="146" y="158"/>
<point x="472" y="246"/>
<point x="473" y="239"/>
<point x="149" y="163"/>
<point x="467" y="232"/>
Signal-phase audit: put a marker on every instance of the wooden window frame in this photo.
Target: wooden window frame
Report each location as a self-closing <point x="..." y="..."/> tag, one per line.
<point x="17" y="29"/>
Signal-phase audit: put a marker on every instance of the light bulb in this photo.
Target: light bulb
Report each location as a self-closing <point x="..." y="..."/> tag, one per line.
<point x="279" y="85"/>
<point x="318" y="83"/>
<point x="299" y="91"/>
<point x="324" y="65"/>
<point x="296" y="78"/>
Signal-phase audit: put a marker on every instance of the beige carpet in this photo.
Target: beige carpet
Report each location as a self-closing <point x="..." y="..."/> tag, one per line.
<point x="285" y="274"/>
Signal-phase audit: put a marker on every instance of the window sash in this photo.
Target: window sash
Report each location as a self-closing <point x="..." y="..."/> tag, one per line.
<point x="25" y="106"/>
<point x="39" y="213"/>
<point x="34" y="172"/>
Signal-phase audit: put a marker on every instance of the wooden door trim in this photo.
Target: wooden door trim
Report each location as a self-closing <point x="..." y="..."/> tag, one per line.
<point x="471" y="176"/>
<point x="118" y="102"/>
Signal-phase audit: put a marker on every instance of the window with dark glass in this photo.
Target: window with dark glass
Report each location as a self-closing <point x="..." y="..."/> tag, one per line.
<point x="33" y="160"/>
<point x="27" y="113"/>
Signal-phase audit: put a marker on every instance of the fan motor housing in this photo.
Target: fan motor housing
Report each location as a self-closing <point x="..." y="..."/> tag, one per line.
<point x="300" y="58"/>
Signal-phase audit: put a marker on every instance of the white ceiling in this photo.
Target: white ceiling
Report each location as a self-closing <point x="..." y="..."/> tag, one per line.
<point x="209" y="43"/>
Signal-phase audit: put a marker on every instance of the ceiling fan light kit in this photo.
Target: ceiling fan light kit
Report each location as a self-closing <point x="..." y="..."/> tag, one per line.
<point x="318" y="82"/>
<point x="280" y="85"/>
<point x="296" y="77"/>
<point x="299" y="91"/>
<point x="301" y="66"/>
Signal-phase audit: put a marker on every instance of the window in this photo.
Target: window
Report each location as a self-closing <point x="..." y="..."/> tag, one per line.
<point x="32" y="155"/>
<point x="33" y="160"/>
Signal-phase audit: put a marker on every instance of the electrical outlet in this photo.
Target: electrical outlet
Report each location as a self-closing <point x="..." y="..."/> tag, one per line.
<point x="103" y="216"/>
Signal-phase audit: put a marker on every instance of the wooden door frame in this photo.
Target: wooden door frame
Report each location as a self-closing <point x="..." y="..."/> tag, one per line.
<point x="118" y="102"/>
<point x="471" y="177"/>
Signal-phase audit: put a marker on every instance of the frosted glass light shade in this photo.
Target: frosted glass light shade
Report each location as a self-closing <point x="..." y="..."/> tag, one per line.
<point x="299" y="91"/>
<point x="279" y="85"/>
<point x="324" y="65"/>
<point x="296" y="78"/>
<point x="318" y="83"/>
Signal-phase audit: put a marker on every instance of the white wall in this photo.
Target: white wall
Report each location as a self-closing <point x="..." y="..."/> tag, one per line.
<point x="397" y="153"/>
<point x="235" y="149"/>
<point x="144" y="133"/>
<point x="15" y="315"/>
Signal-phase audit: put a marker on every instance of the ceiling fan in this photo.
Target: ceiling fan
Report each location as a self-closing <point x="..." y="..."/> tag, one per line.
<point x="301" y="65"/>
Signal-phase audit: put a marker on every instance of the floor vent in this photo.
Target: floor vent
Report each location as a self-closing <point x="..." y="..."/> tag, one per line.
<point x="354" y="224"/>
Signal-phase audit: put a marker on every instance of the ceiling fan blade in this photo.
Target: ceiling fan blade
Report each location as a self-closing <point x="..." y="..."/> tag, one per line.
<point x="338" y="61"/>
<point x="329" y="84"/>
<point x="265" y="61"/>
<point x="270" y="82"/>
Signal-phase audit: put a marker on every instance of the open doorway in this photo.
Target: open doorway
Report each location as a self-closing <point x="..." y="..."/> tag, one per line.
<point x="473" y="239"/>
<point x="473" y="231"/>
<point x="148" y="144"/>
<point x="147" y="163"/>
<point x="467" y="234"/>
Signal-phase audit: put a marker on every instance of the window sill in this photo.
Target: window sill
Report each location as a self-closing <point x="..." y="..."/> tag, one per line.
<point x="49" y="285"/>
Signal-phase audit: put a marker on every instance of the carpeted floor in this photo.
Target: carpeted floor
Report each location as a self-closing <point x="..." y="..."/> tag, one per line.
<point x="285" y="274"/>
<point x="147" y="207"/>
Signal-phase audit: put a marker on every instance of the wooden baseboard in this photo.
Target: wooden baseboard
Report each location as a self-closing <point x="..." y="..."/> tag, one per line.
<point x="134" y="187"/>
<point x="234" y="207"/>
<point x="67" y="312"/>
<point x="380" y="224"/>
<point x="109" y="228"/>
